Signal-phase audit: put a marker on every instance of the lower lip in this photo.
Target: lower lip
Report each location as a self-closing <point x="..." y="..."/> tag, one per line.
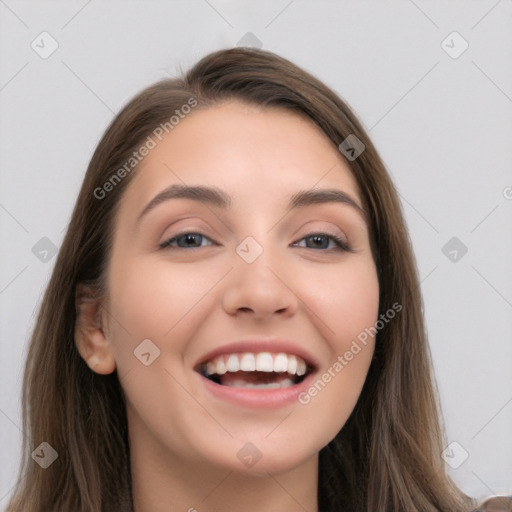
<point x="258" y="398"/>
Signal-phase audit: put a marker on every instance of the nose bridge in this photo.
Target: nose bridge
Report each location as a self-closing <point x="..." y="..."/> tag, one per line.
<point x="256" y="284"/>
<point x="254" y="261"/>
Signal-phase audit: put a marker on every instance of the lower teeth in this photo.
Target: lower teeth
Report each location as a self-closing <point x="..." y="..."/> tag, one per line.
<point x="285" y="383"/>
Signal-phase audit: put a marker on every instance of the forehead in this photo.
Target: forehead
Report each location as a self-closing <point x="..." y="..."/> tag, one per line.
<point x="249" y="151"/>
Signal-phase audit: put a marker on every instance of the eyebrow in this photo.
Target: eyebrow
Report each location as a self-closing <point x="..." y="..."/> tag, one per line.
<point x="208" y="195"/>
<point x="321" y="196"/>
<point x="216" y="197"/>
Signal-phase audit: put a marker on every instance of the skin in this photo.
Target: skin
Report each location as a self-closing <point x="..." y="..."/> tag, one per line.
<point x="499" y="504"/>
<point x="183" y="440"/>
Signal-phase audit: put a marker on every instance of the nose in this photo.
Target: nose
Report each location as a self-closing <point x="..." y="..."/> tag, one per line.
<point x="259" y="290"/>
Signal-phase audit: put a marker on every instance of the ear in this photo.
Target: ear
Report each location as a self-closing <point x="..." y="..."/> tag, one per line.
<point x="90" y="337"/>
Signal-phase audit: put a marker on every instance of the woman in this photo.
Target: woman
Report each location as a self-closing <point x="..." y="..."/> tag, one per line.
<point x="234" y="319"/>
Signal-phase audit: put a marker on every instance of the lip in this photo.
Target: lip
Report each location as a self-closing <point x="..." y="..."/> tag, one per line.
<point x="259" y="398"/>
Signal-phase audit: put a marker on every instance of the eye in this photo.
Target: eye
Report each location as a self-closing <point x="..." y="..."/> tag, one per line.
<point x="187" y="240"/>
<point x="323" y="241"/>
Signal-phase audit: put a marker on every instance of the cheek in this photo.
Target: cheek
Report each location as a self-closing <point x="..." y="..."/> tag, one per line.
<point x="345" y="299"/>
<point x="153" y="300"/>
<point x="347" y="304"/>
<point x="165" y="304"/>
<point x="150" y="298"/>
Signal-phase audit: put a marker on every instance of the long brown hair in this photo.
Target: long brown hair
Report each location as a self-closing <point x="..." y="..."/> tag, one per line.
<point x="387" y="457"/>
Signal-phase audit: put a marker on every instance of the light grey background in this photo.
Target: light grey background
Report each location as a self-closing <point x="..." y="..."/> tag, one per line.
<point x="443" y="126"/>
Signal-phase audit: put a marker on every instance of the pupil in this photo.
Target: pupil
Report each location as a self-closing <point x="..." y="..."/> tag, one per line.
<point x="190" y="239"/>
<point x="319" y="241"/>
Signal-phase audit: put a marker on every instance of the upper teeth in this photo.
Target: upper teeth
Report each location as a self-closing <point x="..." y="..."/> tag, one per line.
<point x="261" y="362"/>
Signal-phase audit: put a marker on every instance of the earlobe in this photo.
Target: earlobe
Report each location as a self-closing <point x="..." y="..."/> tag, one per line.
<point x="90" y="338"/>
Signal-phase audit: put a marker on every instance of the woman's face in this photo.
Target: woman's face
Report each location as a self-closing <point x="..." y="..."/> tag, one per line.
<point x="225" y="254"/>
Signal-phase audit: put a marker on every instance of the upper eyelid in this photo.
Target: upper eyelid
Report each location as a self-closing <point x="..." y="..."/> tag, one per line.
<point x="223" y="224"/>
<point x="201" y="229"/>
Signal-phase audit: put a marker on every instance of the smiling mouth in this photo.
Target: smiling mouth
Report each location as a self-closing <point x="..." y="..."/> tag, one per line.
<point x="261" y="370"/>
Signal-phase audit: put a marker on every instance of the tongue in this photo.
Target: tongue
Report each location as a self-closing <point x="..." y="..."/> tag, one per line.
<point x="268" y="380"/>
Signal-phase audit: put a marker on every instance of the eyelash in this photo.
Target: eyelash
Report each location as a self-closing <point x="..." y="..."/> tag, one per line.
<point x="341" y="245"/>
